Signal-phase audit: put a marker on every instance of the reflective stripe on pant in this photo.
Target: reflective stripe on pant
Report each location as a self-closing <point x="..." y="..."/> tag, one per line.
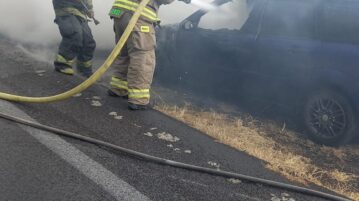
<point x="138" y="94"/>
<point x="77" y="40"/>
<point x="120" y="87"/>
<point x="136" y="63"/>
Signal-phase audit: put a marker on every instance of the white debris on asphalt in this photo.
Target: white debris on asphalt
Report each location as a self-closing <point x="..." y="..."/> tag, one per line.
<point x="112" y="113"/>
<point x="152" y="129"/>
<point x="285" y="195"/>
<point x="40" y="72"/>
<point x="115" y="115"/>
<point x="149" y="134"/>
<point x="173" y="148"/>
<point x="96" y="97"/>
<point x="187" y="151"/>
<point x="77" y="95"/>
<point x="167" y="137"/>
<point x="96" y="103"/>
<point x="275" y="199"/>
<point x="213" y="164"/>
<point x="234" y="181"/>
<point x="138" y="126"/>
<point x="282" y="197"/>
<point x="118" y="117"/>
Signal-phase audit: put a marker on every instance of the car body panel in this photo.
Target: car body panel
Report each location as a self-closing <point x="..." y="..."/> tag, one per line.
<point x="263" y="60"/>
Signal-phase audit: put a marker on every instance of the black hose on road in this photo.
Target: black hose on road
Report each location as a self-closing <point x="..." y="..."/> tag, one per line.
<point x="176" y="164"/>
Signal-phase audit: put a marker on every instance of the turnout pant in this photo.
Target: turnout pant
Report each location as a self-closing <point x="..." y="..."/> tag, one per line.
<point x="77" y="42"/>
<point x="134" y="67"/>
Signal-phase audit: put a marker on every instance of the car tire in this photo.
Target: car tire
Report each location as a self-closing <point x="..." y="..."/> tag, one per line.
<point x="329" y="118"/>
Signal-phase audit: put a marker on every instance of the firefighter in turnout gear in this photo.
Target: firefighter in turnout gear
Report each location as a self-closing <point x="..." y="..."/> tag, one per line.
<point x="78" y="44"/>
<point x="134" y="67"/>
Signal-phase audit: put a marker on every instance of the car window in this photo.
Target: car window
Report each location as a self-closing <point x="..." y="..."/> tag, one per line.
<point x="339" y="22"/>
<point x="289" y="18"/>
<point x="231" y="15"/>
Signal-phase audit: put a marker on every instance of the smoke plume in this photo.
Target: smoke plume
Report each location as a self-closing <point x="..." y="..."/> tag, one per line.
<point x="31" y="21"/>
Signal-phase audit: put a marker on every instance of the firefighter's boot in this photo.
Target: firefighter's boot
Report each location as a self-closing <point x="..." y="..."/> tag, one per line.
<point x="63" y="65"/>
<point x="84" y="68"/>
<point x="135" y="107"/>
<point x="112" y="93"/>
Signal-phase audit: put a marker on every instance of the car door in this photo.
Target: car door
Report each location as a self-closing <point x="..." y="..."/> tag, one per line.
<point x="213" y="61"/>
<point x="287" y="48"/>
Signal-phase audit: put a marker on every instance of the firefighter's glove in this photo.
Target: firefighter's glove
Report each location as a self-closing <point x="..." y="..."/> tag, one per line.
<point x="186" y="1"/>
<point x="91" y="14"/>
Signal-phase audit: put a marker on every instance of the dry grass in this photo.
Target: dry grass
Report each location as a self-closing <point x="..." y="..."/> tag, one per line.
<point x="282" y="150"/>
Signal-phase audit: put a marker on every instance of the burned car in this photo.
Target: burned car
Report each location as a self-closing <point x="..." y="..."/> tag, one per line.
<point x="304" y="54"/>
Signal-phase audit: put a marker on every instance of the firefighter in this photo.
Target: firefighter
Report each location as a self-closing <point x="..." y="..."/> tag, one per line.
<point x="78" y="44"/>
<point x="135" y="65"/>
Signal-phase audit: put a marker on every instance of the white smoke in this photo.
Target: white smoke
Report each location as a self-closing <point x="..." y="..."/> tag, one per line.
<point x="229" y="16"/>
<point x="32" y="20"/>
<point x="28" y="21"/>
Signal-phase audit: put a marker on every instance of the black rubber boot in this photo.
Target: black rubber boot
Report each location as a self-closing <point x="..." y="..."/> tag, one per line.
<point x="135" y="107"/>
<point x="85" y="72"/>
<point x="113" y="94"/>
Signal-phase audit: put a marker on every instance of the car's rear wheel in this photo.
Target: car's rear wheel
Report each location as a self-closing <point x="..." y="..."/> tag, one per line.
<point x="329" y="118"/>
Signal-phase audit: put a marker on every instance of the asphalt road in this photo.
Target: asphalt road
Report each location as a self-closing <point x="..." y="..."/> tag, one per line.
<point x="36" y="165"/>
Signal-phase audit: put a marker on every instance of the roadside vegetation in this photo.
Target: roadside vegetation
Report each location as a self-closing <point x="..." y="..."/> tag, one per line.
<point x="296" y="158"/>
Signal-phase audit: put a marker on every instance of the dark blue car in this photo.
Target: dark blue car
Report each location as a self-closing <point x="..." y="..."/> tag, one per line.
<point x="301" y="53"/>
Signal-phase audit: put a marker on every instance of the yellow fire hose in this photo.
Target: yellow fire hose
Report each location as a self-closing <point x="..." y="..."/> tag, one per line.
<point x="91" y="80"/>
